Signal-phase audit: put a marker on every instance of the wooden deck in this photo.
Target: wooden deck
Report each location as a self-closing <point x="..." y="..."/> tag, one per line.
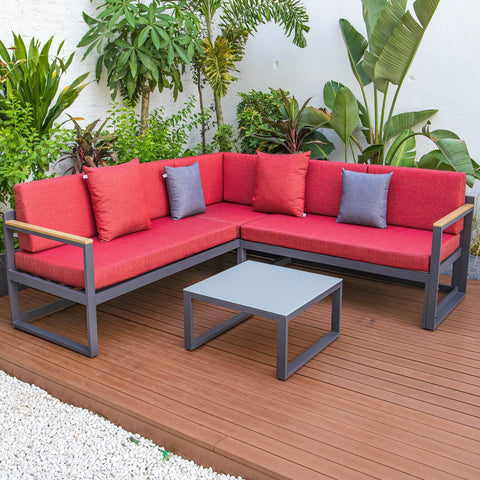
<point x="386" y="400"/>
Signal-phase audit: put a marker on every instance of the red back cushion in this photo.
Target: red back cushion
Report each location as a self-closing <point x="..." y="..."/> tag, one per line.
<point x="323" y="186"/>
<point x="118" y="199"/>
<point x="419" y="197"/>
<point x="211" y="174"/>
<point x="60" y="203"/>
<point x="280" y="183"/>
<point x="239" y="173"/>
<point x="155" y="187"/>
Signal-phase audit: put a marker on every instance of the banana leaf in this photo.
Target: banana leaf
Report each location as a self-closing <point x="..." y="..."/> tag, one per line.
<point x="404" y="121"/>
<point x="372" y="10"/>
<point x="356" y="46"/>
<point x="345" y="118"/>
<point x="402" y="152"/>
<point x="400" y="49"/>
<point x="330" y="91"/>
<point x="369" y="153"/>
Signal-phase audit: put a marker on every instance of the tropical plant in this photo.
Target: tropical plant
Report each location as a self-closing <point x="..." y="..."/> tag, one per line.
<point x="251" y="110"/>
<point x="382" y="61"/>
<point x="165" y="136"/>
<point x="32" y="77"/>
<point x="297" y="130"/>
<point x="238" y="19"/>
<point x="142" y="47"/>
<point x="90" y="147"/>
<point x="24" y="153"/>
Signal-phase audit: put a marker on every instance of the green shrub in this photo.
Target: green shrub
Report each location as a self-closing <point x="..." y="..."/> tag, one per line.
<point x="24" y="153"/>
<point x="254" y="107"/>
<point x="165" y="136"/>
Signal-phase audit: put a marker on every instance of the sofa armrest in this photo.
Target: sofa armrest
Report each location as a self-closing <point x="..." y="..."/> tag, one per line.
<point x="454" y="216"/>
<point x="47" y="233"/>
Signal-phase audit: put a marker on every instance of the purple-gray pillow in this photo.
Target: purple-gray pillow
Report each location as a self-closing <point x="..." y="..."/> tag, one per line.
<point x="364" y="198"/>
<point x="185" y="191"/>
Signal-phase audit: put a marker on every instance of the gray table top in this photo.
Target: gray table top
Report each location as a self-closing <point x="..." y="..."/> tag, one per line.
<point x="270" y="288"/>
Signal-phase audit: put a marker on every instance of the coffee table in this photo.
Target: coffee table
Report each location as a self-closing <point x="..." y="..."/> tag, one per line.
<point x="270" y="291"/>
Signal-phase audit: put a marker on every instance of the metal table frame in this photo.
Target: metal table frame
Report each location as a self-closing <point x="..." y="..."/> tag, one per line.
<point x="203" y="292"/>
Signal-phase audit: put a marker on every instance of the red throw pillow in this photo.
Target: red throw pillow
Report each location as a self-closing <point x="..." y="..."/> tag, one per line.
<point x="118" y="199"/>
<point x="280" y="183"/>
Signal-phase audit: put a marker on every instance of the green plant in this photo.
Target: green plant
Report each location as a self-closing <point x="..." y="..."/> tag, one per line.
<point x="224" y="139"/>
<point x="382" y="61"/>
<point x="32" y="77"/>
<point x="165" y="136"/>
<point x="238" y="19"/>
<point x="90" y="147"/>
<point x="142" y="46"/>
<point x="297" y="130"/>
<point x="475" y="240"/>
<point x="251" y="110"/>
<point x="24" y="153"/>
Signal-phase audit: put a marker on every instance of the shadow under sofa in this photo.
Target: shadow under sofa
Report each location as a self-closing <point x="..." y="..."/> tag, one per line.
<point x="429" y="225"/>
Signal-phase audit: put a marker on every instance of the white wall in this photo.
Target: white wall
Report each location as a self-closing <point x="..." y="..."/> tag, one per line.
<point x="445" y="74"/>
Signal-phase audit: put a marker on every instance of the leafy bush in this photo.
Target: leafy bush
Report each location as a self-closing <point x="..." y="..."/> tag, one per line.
<point x="254" y="107"/>
<point x="165" y="136"/>
<point x="24" y="153"/>
<point x="32" y="77"/>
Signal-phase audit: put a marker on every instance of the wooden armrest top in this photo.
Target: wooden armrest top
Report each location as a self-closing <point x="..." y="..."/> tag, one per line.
<point x="48" y="231"/>
<point x="458" y="213"/>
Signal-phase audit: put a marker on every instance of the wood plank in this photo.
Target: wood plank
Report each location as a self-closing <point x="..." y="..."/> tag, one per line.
<point x="385" y="400"/>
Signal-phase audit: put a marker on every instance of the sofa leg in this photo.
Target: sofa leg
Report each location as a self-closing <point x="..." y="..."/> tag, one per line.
<point x="429" y="320"/>
<point x="241" y="254"/>
<point x="92" y="329"/>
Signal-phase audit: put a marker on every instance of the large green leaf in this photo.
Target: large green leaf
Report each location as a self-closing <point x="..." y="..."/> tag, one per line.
<point x="330" y="91"/>
<point x="313" y="117"/>
<point x="372" y="9"/>
<point x="402" y="152"/>
<point x="456" y="155"/>
<point x="318" y="144"/>
<point x="398" y="53"/>
<point x="345" y="118"/>
<point x="369" y="153"/>
<point x="407" y="120"/>
<point x="356" y="46"/>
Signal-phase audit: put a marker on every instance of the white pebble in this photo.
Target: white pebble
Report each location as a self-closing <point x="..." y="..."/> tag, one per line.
<point x="42" y="438"/>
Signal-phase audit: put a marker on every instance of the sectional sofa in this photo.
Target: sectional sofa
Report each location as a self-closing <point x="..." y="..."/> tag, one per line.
<point x="89" y="238"/>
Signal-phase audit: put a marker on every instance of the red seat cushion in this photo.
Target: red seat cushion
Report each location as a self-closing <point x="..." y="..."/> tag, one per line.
<point x="323" y="186"/>
<point x="233" y="213"/>
<point x="393" y="246"/>
<point x="211" y="174"/>
<point x="60" y="203"/>
<point x="280" y="183"/>
<point x="118" y="199"/>
<point x="239" y="172"/>
<point x="130" y="255"/>
<point x="417" y="198"/>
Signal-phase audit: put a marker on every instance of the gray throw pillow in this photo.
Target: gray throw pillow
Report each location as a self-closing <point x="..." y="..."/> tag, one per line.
<point x="185" y="192"/>
<point x="364" y="198"/>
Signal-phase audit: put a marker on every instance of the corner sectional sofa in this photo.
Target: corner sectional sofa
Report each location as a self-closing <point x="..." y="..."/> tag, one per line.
<point x="87" y="243"/>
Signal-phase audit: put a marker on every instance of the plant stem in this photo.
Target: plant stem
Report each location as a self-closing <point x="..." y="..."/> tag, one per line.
<point x="202" y="109"/>
<point x="382" y="153"/>
<point x="145" y="109"/>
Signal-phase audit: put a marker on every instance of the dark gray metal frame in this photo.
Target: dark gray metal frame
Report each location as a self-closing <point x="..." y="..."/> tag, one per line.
<point x="88" y="296"/>
<point x="284" y="369"/>
<point x="434" y="312"/>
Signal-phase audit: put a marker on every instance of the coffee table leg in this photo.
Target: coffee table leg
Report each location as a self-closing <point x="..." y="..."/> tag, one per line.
<point x="188" y="321"/>
<point x="191" y="343"/>
<point x="285" y="369"/>
<point x="282" y="349"/>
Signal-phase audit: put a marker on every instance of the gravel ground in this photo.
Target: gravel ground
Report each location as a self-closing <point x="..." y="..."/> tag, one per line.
<point x="42" y="438"/>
